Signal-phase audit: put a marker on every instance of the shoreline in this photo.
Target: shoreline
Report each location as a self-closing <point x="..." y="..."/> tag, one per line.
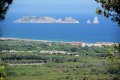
<point x="74" y="42"/>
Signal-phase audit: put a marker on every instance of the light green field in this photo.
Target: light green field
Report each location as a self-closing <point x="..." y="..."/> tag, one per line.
<point x="91" y="63"/>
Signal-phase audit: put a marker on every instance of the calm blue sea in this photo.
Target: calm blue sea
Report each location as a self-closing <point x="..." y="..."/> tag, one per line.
<point x="103" y="32"/>
<point x="106" y="31"/>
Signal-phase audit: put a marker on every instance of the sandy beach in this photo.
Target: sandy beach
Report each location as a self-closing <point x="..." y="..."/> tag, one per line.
<point x="100" y="44"/>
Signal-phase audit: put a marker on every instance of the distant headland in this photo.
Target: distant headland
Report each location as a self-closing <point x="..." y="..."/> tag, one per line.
<point x="46" y="19"/>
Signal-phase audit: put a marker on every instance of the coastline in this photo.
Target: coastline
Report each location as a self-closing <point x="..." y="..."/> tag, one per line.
<point x="8" y="38"/>
<point x="64" y="42"/>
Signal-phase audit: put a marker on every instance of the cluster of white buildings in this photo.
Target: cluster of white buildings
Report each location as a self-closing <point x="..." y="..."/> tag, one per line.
<point x="43" y="52"/>
<point x="53" y="52"/>
<point x="14" y="51"/>
<point x="98" y="44"/>
<point x="58" y="52"/>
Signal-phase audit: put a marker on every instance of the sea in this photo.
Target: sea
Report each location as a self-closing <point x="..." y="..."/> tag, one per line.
<point x="105" y="31"/>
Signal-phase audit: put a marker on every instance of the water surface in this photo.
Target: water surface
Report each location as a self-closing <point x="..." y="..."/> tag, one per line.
<point x="106" y="31"/>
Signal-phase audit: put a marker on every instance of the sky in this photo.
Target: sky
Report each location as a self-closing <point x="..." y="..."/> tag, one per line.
<point x="53" y="6"/>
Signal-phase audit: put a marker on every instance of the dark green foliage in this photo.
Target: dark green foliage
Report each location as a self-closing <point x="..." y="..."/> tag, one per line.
<point x="2" y="71"/>
<point x="4" y="5"/>
<point x="111" y="8"/>
<point x="114" y="61"/>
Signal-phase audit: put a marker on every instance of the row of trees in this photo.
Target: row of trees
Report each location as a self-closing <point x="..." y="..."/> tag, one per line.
<point x="38" y="58"/>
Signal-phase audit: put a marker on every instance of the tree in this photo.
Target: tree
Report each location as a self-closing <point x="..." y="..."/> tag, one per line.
<point x="114" y="52"/>
<point x="114" y="58"/>
<point x="4" y="5"/>
<point x="110" y="8"/>
<point x="2" y="71"/>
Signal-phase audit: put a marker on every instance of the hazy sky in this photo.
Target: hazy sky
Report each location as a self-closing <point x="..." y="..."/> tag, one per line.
<point x="54" y="6"/>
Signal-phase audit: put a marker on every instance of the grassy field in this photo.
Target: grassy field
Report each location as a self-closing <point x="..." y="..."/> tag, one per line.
<point x="26" y="62"/>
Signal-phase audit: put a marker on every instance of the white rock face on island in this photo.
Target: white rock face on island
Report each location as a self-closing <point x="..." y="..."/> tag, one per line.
<point x="45" y="19"/>
<point x="69" y="20"/>
<point x="88" y="21"/>
<point x="96" y="21"/>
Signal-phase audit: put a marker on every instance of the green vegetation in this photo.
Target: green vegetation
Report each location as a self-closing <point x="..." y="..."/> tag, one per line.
<point x="4" y="5"/>
<point x="110" y="9"/>
<point x="2" y="71"/>
<point x="27" y="61"/>
<point x="114" y="61"/>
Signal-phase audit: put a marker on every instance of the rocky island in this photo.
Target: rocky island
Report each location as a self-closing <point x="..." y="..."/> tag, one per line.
<point x="45" y="19"/>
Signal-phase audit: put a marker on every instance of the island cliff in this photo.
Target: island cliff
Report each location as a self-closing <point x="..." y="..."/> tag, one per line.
<point x="45" y="19"/>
